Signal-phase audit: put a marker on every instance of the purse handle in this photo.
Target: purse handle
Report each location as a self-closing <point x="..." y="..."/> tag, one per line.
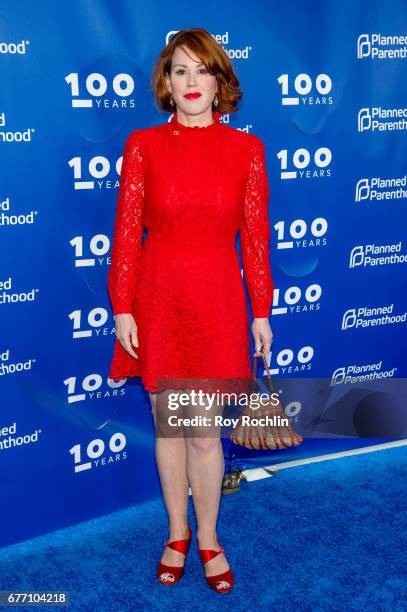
<point x="266" y="367"/>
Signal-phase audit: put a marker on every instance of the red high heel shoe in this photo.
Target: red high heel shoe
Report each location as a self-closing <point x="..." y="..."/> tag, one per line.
<point x="175" y="571"/>
<point x="217" y="582"/>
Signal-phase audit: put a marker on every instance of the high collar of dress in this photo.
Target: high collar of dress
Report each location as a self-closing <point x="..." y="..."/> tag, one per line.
<point x="196" y="129"/>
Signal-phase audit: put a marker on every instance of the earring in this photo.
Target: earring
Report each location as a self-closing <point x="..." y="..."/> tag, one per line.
<point x="216" y="102"/>
<point x="171" y="100"/>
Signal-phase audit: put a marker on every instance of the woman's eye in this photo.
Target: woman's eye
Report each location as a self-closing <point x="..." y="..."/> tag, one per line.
<point x="181" y="71"/>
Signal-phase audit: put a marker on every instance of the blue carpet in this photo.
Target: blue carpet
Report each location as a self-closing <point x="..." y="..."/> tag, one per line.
<point x="325" y="536"/>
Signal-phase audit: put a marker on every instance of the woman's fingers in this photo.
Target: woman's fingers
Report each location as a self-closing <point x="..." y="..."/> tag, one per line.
<point x="134" y="338"/>
<point x="257" y="344"/>
<point x="127" y="334"/>
<point x="262" y="342"/>
<point x="266" y="347"/>
<point x="127" y="345"/>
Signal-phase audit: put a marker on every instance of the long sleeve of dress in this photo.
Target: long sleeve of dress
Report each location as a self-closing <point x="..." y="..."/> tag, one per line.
<point x="255" y="234"/>
<point x="128" y="228"/>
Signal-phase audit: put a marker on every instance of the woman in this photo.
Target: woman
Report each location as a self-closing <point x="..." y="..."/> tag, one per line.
<point x="178" y="299"/>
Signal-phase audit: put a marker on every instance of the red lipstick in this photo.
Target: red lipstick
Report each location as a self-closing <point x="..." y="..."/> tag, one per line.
<point x="192" y="95"/>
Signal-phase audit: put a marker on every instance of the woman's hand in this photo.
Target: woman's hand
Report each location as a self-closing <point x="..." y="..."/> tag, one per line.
<point x="126" y="332"/>
<point x="262" y="334"/>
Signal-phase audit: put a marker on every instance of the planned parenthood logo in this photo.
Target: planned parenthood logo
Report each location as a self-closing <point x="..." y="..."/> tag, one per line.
<point x="376" y="189"/>
<point x="378" y="119"/>
<point x="377" y="46"/>
<point x="367" y="317"/>
<point x="361" y="372"/>
<point x="376" y="255"/>
<point x="223" y="39"/>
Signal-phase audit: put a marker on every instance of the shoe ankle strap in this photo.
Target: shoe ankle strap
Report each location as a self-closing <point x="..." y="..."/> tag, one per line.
<point x="208" y="554"/>
<point x="179" y="545"/>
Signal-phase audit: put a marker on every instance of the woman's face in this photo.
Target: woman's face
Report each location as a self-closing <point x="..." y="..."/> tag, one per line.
<point x="188" y="74"/>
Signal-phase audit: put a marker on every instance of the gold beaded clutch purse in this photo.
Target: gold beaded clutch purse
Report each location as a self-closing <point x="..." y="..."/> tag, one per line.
<point x="271" y="428"/>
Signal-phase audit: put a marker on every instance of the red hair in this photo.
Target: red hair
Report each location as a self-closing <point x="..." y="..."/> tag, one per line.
<point x="215" y="60"/>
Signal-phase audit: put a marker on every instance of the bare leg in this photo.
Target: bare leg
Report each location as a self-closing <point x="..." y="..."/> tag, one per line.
<point x="205" y="471"/>
<point x="171" y="463"/>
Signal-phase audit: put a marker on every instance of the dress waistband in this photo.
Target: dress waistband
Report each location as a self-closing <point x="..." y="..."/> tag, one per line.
<point x="190" y="241"/>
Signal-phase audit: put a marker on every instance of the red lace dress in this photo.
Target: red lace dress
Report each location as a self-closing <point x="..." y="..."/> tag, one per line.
<point x="193" y="189"/>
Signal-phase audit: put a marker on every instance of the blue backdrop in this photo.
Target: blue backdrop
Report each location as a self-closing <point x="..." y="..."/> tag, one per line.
<point x="325" y="89"/>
